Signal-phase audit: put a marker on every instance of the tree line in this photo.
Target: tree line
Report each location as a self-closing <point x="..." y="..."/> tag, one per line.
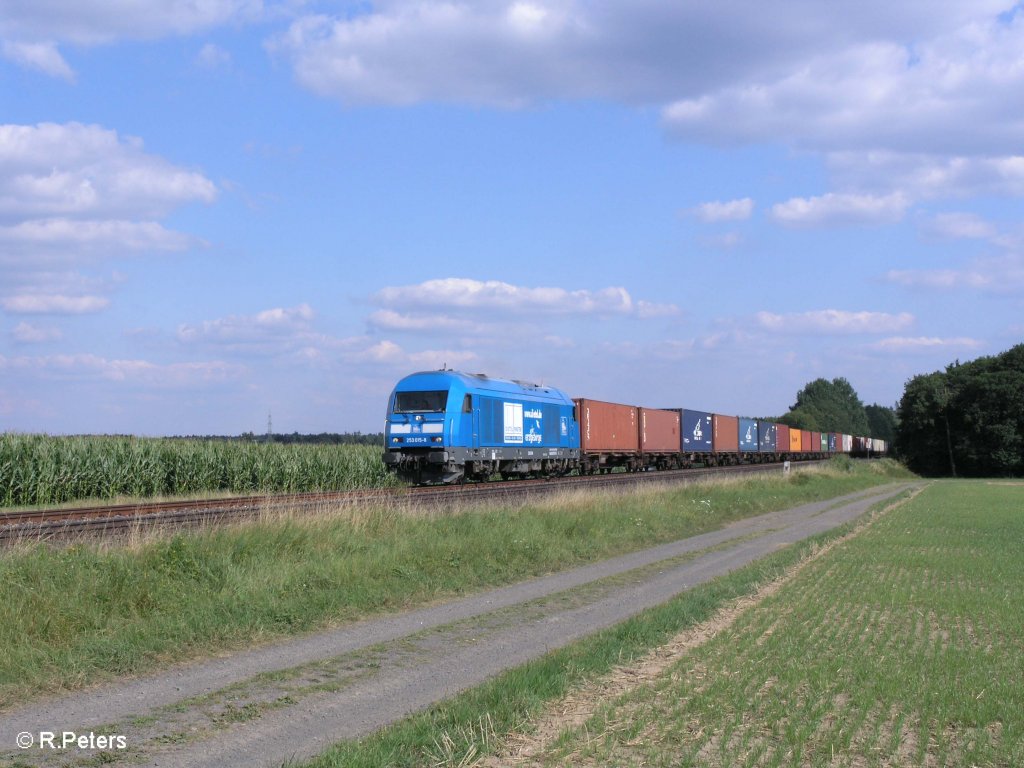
<point x="966" y="420"/>
<point x="834" y="406"/>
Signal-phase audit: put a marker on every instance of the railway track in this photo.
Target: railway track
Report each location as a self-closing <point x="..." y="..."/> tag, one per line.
<point x="118" y="519"/>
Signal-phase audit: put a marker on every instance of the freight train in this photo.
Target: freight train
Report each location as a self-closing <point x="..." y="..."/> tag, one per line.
<point x="447" y="427"/>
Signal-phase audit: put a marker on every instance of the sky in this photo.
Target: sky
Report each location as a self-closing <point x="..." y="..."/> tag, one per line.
<point x="215" y="211"/>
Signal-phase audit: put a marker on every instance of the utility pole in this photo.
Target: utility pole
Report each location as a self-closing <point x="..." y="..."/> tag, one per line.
<point x="270" y="428"/>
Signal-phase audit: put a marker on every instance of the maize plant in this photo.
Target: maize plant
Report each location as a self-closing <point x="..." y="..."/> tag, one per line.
<point x="40" y="469"/>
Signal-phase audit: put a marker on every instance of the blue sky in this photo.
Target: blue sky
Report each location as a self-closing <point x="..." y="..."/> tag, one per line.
<point x="215" y="209"/>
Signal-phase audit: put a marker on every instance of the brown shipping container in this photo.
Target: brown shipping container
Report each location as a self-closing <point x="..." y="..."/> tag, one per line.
<point x="781" y="438"/>
<point x="608" y="427"/>
<point x="816" y="442"/>
<point x="805" y="441"/>
<point x="659" y="431"/>
<point x="727" y="434"/>
<point x="794" y="440"/>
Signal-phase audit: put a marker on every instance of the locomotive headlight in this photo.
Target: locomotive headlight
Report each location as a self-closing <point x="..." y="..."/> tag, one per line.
<point x="438" y="439"/>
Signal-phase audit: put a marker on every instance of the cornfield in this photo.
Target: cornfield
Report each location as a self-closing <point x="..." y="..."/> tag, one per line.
<point x="39" y="469"/>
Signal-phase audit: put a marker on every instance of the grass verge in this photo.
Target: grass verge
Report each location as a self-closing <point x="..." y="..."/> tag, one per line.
<point x="72" y="616"/>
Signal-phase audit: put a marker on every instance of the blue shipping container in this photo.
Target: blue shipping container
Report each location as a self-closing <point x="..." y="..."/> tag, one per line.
<point x="766" y="432"/>
<point x="832" y="442"/>
<point x="696" y="432"/>
<point x="748" y="436"/>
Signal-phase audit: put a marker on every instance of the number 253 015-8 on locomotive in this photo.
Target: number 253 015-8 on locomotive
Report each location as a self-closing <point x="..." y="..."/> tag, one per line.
<point x="447" y="426"/>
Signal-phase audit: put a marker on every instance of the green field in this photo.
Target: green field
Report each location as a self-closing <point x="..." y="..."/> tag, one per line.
<point x="41" y="470"/>
<point x="903" y="646"/>
<point x="70" y="616"/>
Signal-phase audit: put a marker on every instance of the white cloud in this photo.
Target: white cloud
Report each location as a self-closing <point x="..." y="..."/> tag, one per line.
<point x="928" y="176"/>
<point x="31" y="30"/>
<point x="513" y="53"/>
<point x="61" y="240"/>
<point x="391" y="354"/>
<point x="212" y="57"/>
<point x="40" y="56"/>
<point x="840" y="209"/>
<point x="731" y="210"/>
<point x="647" y="309"/>
<point x="906" y="101"/>
<point x="289" y="334"/>
<point x="73" y="195"/>
<point x="87" y="366"/>
<point x="667" y="350"/>
<point x="905" y="344"/>
<point x="53" y="304"/>
<point x="455" y="293"/>
<point x="24" y="333"/>
<point x="948" y="93"/>
<point x="57" y="170"/>
<point x="995" y="274"/>
<point x="937" y="278"/>
<point x="101" y="21"/>
<point x="559" y="342"/>
<point x="389" y="320"/>
<point x="928" y="114"/>
<point x="961" y="225"/>
<point x="272" y="331"/>
<point x="726" y="241"/>
<point x="834" y="321"/>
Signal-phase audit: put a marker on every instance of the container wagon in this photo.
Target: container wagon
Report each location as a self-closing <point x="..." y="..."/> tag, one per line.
<point x="726" y="439"/>
<point x="749" y="441"/>
<point x="782" y="439"/>
<point x="767" y="440"/>
<point x="659" y="437"/>
<point x="609" y="436"/>
<point x="794" y="440"/>
<point x="697" y="437"/>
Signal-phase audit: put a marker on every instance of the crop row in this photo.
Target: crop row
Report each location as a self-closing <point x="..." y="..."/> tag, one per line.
<point x="901" y="647"/>
<point x="39" y="469"/>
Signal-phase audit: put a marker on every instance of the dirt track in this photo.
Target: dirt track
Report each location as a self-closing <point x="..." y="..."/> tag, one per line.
<point x="294" y="699"/>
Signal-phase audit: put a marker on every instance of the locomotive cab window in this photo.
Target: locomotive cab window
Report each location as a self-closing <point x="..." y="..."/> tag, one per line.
<point x="467" y="404"/>
<point x="421" y="402"/>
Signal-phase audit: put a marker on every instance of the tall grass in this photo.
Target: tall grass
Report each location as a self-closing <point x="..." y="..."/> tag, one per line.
<point x="39" y="469"/>
<point x="74" y="616"/>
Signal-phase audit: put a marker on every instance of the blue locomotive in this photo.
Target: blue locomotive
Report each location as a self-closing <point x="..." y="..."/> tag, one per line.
<point x="446" y="426"/>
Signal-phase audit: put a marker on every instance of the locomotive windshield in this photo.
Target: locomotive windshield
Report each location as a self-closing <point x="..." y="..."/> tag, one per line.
<point x="421" y="402"/>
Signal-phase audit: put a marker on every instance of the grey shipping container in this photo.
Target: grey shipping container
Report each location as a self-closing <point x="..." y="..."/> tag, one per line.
<point x="766" y="436"/>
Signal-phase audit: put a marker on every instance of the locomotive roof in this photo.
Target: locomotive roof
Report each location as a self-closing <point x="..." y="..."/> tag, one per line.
<point x="479" y="382"/>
